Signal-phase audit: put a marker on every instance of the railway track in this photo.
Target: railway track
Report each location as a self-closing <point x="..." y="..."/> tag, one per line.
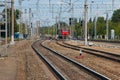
<point x="62" y="65"/>
<point x="58" y="75"/>
<point x="103" y="54"/>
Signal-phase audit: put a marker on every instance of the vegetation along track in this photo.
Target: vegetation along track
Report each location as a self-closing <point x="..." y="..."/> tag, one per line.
<point x="103" y="54"/>
<point x="71" y="69"/>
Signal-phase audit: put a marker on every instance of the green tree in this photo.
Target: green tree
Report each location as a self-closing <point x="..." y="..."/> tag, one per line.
<point x="116" y="22"/>
<point x="16" y="17"/>
<point x="116" y="16"/>
<point x="101" y="26"/>
<point x="17" y="13"/>
<point x="78" y="30"/>
<point x="90" y="28"/>
<point x="90" y="20"/>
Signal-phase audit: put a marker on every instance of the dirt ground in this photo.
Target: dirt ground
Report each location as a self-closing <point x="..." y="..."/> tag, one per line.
<point x="22" y="63"/>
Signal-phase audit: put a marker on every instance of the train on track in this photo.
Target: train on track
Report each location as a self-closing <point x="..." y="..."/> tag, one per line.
<point x="64" y="33"/>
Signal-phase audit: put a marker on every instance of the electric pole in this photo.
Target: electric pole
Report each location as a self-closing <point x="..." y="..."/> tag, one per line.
<point x="30" y="22"/>
<point x="85" y="19"/>
<point x="25" y="22"/>
<point x="38" y="27"/>
<point x="107" y="26"/>
<point x="6" y="25"/>
<point x="95" y="23"/>
<point x="12" y="10"/>
<point x="59" y="24"/>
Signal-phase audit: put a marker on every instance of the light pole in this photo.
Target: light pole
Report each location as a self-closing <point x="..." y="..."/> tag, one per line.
<point x="12" y="10"/>
<point x="85" y="19"/>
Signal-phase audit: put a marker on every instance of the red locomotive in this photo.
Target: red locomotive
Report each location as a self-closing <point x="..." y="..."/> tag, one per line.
<point x="65" y="32"/>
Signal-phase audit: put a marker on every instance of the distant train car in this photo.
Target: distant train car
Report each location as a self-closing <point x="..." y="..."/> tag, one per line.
<point x="64" y="32"/>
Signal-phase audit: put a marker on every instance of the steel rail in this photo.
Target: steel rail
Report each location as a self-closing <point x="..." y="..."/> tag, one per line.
<point x="96" y="74"/>
<point x="55" y="71"/>
<point x="114" y="57"/>
<point x="113" y="54"/>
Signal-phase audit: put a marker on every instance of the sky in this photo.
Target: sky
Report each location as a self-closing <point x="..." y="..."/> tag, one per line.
<point x="49" y="11"/>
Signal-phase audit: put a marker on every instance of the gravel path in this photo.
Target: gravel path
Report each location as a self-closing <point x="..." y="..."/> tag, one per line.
<point x="22" y="63"/>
